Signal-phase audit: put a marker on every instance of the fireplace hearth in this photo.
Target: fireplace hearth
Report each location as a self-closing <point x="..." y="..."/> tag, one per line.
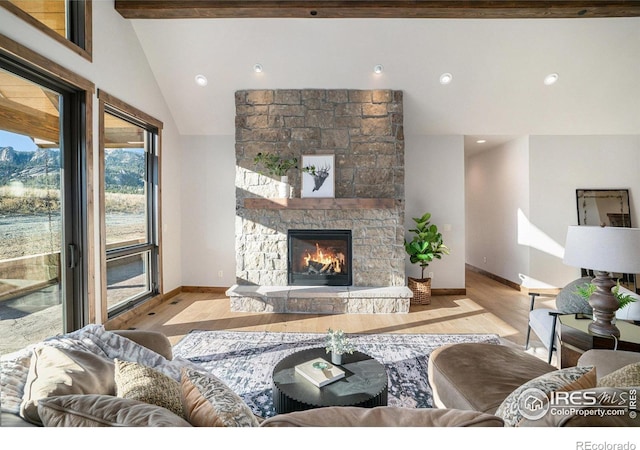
<point x="319" y="258"/>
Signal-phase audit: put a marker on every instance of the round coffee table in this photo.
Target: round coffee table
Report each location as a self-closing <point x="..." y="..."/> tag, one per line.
<point x="364" y="384"/>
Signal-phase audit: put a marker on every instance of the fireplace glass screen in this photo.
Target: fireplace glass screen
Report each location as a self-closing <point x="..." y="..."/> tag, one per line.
<point x="319" y="257"/>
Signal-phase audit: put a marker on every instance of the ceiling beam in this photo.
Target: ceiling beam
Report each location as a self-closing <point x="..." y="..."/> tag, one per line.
<point x="452" y="9"/>
<point x="22" y="119"/>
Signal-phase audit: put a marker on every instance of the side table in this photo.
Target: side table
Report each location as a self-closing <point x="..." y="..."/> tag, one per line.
<point x="575" y="338"/>
<point x="365" y="383"/>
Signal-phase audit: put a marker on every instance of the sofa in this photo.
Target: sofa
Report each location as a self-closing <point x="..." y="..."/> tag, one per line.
<point x="493" y="380"/>
<point x="95" y="377"/>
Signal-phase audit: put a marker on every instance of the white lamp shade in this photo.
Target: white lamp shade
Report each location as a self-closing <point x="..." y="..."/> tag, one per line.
<point x="605" y="249"/>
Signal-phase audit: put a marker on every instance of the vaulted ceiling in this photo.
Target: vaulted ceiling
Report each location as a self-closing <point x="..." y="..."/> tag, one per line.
<point x="498" y="65"/>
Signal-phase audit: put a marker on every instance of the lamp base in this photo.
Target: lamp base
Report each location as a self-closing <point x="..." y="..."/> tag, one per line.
<point x="604" y="306"/>
<point x="603" y="328"/>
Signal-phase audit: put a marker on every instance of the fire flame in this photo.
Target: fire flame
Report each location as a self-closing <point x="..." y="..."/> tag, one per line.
<point x="326" y="257"/>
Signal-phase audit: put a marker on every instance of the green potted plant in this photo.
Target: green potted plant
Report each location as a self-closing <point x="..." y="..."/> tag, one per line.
<point x="337" y="343"/>
<point x="425" y="246"/>
<point x="276" y="165"/>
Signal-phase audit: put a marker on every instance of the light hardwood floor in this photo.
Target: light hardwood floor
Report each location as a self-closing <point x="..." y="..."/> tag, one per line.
<point x="488" y="307"/>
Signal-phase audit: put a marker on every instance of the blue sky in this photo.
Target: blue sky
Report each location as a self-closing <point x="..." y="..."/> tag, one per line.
<point x="17" y="141"/>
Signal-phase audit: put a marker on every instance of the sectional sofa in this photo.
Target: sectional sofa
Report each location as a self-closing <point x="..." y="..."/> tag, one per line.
<point x="95" y="377"/>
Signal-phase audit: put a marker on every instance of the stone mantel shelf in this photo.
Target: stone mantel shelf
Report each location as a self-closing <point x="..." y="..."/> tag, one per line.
<point x="321" y="203"/>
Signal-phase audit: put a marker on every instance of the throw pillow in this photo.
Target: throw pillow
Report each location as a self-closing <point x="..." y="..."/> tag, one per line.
<point x="104" y="411"/>
<point x="138" y="382"/>
<point x="510" y="411"/>
<point x="627" y="376"/>
<point x="586" y="381"/>
<point x="208" y="402"/>
<point x="56" y="371"/>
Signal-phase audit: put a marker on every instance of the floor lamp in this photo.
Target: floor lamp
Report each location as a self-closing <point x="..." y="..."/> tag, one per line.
<point x="605" y="250"/>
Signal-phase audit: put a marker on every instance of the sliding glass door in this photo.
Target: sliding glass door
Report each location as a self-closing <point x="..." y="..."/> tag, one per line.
<point x="41" y="213"/>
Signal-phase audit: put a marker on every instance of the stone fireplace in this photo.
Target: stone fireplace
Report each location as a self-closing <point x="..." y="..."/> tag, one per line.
<point x="319" y="258"/>
<point x="363" y="131"/>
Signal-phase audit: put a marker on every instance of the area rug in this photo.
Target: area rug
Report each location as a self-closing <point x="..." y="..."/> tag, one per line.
<point x="244" y="360"/>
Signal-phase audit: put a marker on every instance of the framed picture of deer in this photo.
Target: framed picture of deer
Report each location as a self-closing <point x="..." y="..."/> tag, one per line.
<point x="318" y="176"/>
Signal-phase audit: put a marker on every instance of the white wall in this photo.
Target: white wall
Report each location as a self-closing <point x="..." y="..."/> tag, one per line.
<point x="561" y="164"/>
<point x="497" y="200"/>
<point x="434" y="182"/>
<point x="120" y="68"/>
<point x="209" y="211"/>
<point x="521" y="197"/>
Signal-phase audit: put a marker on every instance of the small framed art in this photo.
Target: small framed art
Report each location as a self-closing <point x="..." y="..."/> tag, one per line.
<point x="318" y="176"/>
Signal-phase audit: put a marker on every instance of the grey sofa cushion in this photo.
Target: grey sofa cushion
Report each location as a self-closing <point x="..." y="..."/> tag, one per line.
<point x="56" y="371"/>
<point x="382" y="416"/>
<point x="607" y="361"/>
<point x="104" y="411"/>
<point x="480" y="376"/>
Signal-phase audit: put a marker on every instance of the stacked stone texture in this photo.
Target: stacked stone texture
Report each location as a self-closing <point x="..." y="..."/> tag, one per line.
<point x="363" y="129"/>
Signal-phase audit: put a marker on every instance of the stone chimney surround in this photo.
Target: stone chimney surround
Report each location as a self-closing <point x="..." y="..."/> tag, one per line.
<point x="363" y="130"/>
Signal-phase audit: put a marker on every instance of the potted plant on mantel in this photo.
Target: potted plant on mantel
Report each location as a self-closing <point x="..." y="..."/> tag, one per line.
<point x="278" y="166"/>
<point x="425" y="246"/>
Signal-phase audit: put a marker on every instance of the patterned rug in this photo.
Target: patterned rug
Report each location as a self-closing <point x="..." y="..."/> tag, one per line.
<point x="244" y="360"/>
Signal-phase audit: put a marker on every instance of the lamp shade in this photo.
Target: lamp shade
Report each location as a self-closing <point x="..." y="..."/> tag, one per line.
<point x="605" y="249"/>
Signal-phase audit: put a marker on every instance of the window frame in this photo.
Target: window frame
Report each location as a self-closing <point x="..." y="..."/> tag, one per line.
<point x="112" y="105"/>
<point x="75" y="133"/>
<point x="79" y="24"/>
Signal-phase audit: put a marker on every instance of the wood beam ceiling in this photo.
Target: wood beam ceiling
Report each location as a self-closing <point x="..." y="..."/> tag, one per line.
<point x="452" y="9"/>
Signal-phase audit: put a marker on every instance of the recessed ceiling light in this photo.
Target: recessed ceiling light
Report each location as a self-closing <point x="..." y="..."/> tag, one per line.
<point x="481" y="141"/>
<point x="378" y="68"/>
<point x="551" y="79"/>
<point x="201" y="80"/>
<point x="257" y="68"/>
<point x="446" y="78"/>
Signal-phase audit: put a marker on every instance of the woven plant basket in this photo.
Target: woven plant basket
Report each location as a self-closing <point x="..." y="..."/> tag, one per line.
<point x="421" y="288"/>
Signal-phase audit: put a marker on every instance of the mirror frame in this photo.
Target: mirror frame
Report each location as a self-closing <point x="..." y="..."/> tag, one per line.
<point x="621" y="218"/>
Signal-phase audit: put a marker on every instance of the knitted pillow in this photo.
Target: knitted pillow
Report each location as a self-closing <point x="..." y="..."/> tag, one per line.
<point x="627" y="376"/>
<point x="138" y="382"/>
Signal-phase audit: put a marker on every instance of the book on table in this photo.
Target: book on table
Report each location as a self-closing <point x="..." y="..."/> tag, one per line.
<point x="320" y="372"/>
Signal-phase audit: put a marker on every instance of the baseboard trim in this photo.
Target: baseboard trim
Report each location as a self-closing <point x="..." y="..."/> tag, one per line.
<point x="448" y="291"/>
<point x="494" y="277"/>
<point x="172" y="293"/>
<point x="122" y="320"/>
<point x="205" y="289"/>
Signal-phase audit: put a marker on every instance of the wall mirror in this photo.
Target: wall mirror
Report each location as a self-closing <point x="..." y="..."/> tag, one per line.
<point x="608" y="207"/>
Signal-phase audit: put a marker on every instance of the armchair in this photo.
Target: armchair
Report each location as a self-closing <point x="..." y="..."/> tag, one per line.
<point x="543" y="320"/>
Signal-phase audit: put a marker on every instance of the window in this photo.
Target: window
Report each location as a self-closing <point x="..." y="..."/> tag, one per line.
<point x="68" y="21"/>
<point x="43" y="192"/>
<point x="129" y="198"/>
